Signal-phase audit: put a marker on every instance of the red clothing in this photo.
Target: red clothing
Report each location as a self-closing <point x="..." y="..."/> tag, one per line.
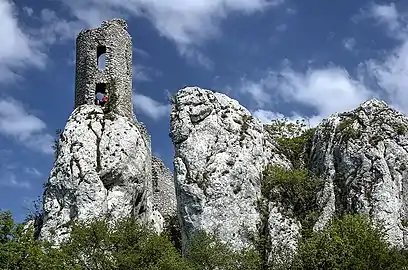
<point x="104" y="99"/>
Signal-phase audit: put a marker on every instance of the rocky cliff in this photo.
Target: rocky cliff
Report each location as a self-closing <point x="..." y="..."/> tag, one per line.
<point x="363" y="156"/>
<point x="103" y="168"/>
<point x="221" y="150"/>
<point x="220" y="153"/>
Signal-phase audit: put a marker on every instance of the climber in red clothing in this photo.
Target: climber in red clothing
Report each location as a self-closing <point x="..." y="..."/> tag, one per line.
<point x="104" y="100"/>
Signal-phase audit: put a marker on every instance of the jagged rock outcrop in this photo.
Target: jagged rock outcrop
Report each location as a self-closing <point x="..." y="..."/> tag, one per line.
<point x="103" y="168"/>
<point x="363" y="157"/>
<point x="220" y="153"/>
<point x="164" y="193"/>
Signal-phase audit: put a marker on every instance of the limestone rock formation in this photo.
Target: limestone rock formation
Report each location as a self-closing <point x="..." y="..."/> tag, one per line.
<point x="220" y="152"/>
<point x="103" y="168"/>
<point x="164" y="193"/>
<point x="363" y="156"/>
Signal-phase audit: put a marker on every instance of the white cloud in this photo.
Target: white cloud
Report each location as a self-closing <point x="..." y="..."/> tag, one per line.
<point x="326" y="91"/>
<point x="182" y="21"/>
<point x="55" y="29"/>
<point x="26" y="128"/>
<point x="349" y="43"/>
<point x="388" y="15"/>
<point x="266" y="117"/>
<point x="392" y="75"/>
<point x="333" y="89"/>
<point x="17" y="49"/>
<point x="150" y="107"/>
<point x="9" y="179"/>
<point x="391" y="72"/>
<point x="32" y="171"/>
<point x="187" y="23"/>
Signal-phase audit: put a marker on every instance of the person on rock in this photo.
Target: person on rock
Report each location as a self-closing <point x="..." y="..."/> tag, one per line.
<point x="104" y="100"/>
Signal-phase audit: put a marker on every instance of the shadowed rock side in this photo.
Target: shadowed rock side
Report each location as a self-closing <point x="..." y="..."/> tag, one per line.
<point x="363" y="156"/>
<point x="220" y="153"/>
<point x="103" y="168"/>
<point x="164" y="193"/>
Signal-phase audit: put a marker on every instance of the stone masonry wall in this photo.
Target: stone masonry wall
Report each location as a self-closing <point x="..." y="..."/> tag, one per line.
<point x="117" y="73"/>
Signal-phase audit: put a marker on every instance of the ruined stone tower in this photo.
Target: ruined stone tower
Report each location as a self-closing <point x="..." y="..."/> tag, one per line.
<point x="104" y="65"/>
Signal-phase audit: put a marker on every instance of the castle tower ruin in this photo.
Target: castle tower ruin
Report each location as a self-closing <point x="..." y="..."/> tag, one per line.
<point x="104" y="65"/>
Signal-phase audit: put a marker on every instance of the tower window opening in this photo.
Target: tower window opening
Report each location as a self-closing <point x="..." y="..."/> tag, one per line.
<point x="100" y="94"/>
<point x="101" y="56"/>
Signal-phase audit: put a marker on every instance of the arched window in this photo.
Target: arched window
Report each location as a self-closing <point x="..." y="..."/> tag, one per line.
<point x="101" y="56"/>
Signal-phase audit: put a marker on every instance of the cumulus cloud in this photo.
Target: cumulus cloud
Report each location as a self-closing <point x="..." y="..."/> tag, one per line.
<point x="389" y="16"/>
<point x="26" y="128"/>
<point x="182" y="21"/>
<point x="391" y="72"/>
<point x="18" y="49"/>
<point x="150" y="107"/>
<point x="326" y="91"/>
<point x="187" y="23"/>
<point x="332" y="89"/>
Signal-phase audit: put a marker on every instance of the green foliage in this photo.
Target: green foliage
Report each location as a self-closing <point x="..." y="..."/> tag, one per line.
<point x="401" y="129"/>
<point x="125" y="245"/>
<point x="296" y="190"/>
<point x="293" y="147"/>
<point x="173" y="231"/>
<point x="349" y="242"/>
<point x="375" y="139"/>
<point x="345" y="128"/>
<point x="283" y="128"/>
<point x="205" y="252"/>
<point x="19" y="249"/>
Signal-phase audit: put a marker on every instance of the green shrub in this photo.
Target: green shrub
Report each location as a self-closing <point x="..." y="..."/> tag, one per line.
<point x="346" y="130"/>
<point x="401" y="129"/>
<point x="349" y="242"/>
<point x="206" y="252"/>
<point x="19" y="249"/>
<point x="296" y="190"/>
<point x="125" y="245"/>
<point x="293" y="147"/>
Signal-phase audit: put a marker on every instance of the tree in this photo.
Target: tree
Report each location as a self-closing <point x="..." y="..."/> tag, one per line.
<point x="349" y="242"/>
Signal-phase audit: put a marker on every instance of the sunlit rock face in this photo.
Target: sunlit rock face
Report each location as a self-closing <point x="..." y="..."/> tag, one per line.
<point x="102" y="169"/>
<point x="220" y="153"/>
<point x="362" y="155"/>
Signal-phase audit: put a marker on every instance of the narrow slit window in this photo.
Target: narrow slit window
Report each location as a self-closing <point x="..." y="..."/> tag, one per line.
<point x="101" y="56"/>
<point x="100" y="92"/>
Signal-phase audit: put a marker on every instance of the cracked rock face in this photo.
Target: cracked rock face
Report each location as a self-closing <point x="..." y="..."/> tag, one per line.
<point x="363" y="155"/>
<point x="220" y="152"/>
<point x="164" y="193"/>
<point x="103" y="168"/>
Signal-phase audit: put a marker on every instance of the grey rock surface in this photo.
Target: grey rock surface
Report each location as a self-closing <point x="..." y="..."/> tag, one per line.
<point x="220" y="153"/>
<point x="103" y="168"/>
<point x="113" y="41"/>
<point x="363" y="156"/>
<point x="164" y="192"/>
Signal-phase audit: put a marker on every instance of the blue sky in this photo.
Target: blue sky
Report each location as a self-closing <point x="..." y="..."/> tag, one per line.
<point x="292" y="58"/>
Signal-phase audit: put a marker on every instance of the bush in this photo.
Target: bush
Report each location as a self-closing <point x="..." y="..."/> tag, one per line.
<point x="206" y="252"/>
<point x="125" y="245"/>
<point x="293" y="147"/>
<point x="349" y="242"/>
<point x="296" y="190"/>
<point x="19" y="249"/>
